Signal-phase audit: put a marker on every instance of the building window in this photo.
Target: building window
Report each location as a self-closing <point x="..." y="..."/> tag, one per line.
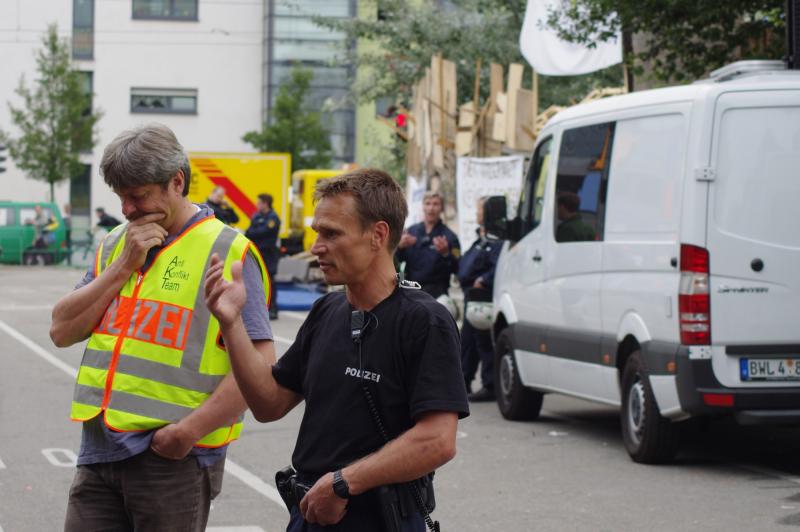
<point x="165" y="9"/>
<point x="164" y="101"/>
<point x="83" y="29"/>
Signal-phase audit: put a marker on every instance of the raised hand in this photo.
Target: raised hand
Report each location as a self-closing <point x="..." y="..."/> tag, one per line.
<point x="441" y="245"/>
<point x="224" y="299"/>
<point x="407" y="239"/>
<point x="142" y="234"/>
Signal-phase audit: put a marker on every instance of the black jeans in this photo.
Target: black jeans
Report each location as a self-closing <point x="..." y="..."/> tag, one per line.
<point x="357" y="519"/>
<point x="144" y="492"/>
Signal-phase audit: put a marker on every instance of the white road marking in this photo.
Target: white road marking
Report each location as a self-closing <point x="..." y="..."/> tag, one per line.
<point x="15" y="308"/>
<point x="231" y="529"/>
<point x="282" y="340"/>
<point x="69" y="459"/>
<point x="294" y="315"/>
<point x="254" y="482"/>
<point x="2" y="466"/>
<point x="38" y="350"/>
<point x="237" y="471"/>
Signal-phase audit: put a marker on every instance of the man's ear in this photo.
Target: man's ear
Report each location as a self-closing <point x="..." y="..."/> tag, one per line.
<point x="380" y="235"/>
<point x="179" y="180"/>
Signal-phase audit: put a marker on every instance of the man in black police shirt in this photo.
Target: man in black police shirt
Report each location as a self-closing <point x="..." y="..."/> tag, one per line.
<point x="410" y="352"/>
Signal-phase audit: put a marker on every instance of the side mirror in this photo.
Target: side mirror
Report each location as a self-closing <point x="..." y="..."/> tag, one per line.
<point x="495" y="216"/>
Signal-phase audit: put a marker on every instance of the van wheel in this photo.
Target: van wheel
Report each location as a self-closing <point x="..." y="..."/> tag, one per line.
<point x="649" y="437"/>
<point x="516" y="402"/>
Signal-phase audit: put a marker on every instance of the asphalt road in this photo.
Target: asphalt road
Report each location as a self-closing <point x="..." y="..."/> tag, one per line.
<point x="566" y="471"/>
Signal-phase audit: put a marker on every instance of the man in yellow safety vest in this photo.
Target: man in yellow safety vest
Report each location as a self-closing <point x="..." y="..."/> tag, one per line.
<point x="154" y="390"/>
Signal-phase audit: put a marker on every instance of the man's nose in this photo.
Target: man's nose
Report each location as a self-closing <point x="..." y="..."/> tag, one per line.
<point x="127" y="208"/>
<point x="317" y="248"/>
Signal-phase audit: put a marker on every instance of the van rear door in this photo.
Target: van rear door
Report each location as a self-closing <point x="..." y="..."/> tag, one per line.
<point x="753" y="226"/>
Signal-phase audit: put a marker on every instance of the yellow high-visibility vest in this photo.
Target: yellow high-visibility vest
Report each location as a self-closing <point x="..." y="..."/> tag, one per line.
<point x="157" y="353"/>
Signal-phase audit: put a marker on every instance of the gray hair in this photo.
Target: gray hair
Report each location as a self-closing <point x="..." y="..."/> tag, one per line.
<point x="145" y="155"/>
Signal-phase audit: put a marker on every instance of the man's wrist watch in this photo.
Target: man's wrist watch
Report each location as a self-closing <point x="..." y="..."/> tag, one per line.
<point x="340" y="486"/>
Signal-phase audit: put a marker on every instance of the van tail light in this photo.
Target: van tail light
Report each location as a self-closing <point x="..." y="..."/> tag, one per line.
<point x="694" y="300"/>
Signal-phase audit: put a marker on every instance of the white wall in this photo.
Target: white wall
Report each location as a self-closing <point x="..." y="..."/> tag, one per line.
<point x="220" y="56"/>
<point x="22" y="25"/>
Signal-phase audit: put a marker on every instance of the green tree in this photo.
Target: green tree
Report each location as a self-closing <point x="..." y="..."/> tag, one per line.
<point x="682" y="39"/>
<point x="294" y="128"/>
<point x="409" y="32"/>
<point x="406" y="33"/>
<point x="55" y="121"/>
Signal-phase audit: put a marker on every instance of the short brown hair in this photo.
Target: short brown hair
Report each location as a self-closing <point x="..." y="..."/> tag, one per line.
<point x="377" y="195"/>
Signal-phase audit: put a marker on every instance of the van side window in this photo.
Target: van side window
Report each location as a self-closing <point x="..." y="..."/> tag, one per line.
<point x="582" y="181"/>
<point x="532" y="199"/>
<point x="6" y="217"/>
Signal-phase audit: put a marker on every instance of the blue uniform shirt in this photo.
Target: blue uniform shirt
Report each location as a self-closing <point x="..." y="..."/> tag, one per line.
<point x="424" y="264"/>
<point x="479" y="261"/>
<point x="263" y="232"/>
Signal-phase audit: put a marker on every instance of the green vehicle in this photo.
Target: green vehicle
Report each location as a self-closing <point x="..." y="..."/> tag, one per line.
<point x="23" y="242"/>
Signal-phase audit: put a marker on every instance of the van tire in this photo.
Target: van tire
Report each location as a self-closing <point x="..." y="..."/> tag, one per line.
<point x="648" y="437"/>
<point x="515" y="401"/>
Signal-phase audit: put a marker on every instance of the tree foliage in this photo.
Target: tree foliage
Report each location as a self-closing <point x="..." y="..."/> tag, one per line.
<point x="407" y="33"/>
<point x="294" y="128"/>
<point x="683" y="39"/>
<point x="55" y="121"/>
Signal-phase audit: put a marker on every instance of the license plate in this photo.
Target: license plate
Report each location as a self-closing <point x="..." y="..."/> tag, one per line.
<point x="770" y="369"/>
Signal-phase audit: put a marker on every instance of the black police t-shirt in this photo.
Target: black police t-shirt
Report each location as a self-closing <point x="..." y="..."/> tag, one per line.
<point x="410" y="362"/>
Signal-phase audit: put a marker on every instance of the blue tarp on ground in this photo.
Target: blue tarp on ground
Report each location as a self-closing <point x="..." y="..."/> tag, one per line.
<point x="297" y="296"/>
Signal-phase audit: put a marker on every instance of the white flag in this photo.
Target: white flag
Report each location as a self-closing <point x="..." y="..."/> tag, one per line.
<point x="552" y="56"/>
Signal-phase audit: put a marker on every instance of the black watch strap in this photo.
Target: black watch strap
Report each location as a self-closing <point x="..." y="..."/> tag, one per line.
<point x="340" y="486"/>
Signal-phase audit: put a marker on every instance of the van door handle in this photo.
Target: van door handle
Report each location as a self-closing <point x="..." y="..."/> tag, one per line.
<point x="673" y="262"/>
<point x="537" y="257"/>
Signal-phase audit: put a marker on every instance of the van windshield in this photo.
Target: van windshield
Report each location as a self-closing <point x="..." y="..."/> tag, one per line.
<point x="758" y="184"/>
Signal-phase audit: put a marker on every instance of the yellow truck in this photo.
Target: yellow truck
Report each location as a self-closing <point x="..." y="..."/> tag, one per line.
<point x="243" y="176"/>
<point x="303" y="184"/>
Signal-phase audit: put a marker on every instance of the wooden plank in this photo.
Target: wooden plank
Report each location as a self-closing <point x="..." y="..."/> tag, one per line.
<point x="495" y="80"/>
<point x="523" y="102"/>
<point x="466" y="115"/>
<point x="499" y="127"/>
<point x="511" y="119"/>
<point x="476" y="90"/>
<point x="515" y="72"/>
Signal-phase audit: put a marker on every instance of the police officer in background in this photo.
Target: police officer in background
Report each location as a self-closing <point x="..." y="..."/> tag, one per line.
<point x="223" y="211"/>
<point x="263" y="231"/>
<point x="476" y="276"/>
<point x="430" y="249"/>
<point x="378" y="339"/>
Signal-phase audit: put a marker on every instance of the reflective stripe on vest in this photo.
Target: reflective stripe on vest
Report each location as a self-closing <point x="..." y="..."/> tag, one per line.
<point x="154" y="357"/>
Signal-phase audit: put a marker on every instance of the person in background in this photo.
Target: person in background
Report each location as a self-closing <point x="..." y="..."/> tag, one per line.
<point x="476" y="273"/>
<point x="263" y="231"/>
<point x="430" y="249"/>
<point x="104" y="220"/>
<point x="571" y="228"/>
<point x="223" y="211"/>
<point x="67" y="217"/>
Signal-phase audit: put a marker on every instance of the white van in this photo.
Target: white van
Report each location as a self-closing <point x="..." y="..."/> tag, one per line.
<point x="654" y="262"/>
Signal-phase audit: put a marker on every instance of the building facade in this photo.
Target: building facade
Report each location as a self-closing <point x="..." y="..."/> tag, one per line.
<point x="208" y="69"/>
